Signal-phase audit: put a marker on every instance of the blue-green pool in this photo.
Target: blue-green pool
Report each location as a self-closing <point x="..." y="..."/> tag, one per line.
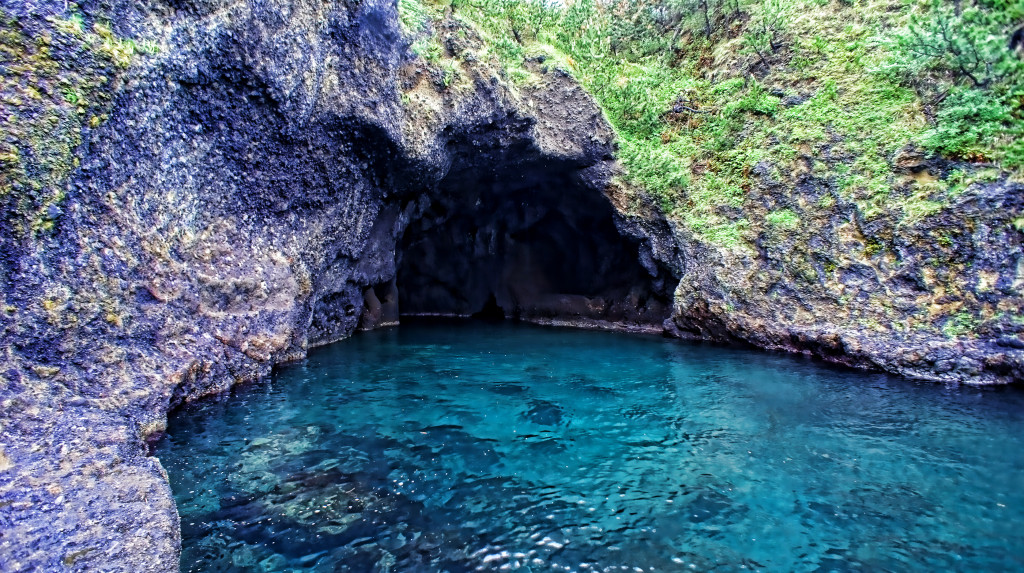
<point x="500" y="447"/>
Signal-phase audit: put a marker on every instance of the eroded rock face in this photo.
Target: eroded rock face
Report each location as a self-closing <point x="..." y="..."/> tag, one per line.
<point x="248" y="196"/>
<point x="933" y="298"/>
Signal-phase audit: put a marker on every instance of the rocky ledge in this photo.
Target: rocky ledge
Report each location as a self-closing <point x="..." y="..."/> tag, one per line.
<point x="197" y="190"/>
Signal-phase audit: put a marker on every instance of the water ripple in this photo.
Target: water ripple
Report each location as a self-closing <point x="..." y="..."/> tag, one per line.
<point x="514" y="448"/>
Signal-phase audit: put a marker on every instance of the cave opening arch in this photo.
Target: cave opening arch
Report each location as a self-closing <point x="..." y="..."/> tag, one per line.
<point x="513" y="234"/>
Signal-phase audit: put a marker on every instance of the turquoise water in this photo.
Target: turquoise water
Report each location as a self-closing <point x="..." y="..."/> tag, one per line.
<point x="497" y="447"/>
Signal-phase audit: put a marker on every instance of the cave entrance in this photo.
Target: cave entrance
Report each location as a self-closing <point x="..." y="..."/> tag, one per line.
<point x="532" y="242"/>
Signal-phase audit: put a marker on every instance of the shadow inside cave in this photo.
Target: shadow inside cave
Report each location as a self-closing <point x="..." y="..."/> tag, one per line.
<point x="530" y="240"/>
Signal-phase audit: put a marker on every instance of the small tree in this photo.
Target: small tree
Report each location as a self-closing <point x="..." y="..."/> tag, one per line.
<point x="978" y="113"/>
<point x="970" y="43"/>
<point x="764" y="34"/>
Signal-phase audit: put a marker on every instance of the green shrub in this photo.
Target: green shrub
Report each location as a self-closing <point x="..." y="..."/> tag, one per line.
<point x="756" y="100"/>
<point x="764" y="33"/>
<point x="693" y="123"/>
<point x="968" y="123"/>
<point x="969" y="42"/>
<point x="979" y="86"/>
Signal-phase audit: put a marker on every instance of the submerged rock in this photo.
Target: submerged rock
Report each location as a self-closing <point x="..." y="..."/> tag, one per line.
<point x="507" y="388"/>
<point x="545" y="413"/>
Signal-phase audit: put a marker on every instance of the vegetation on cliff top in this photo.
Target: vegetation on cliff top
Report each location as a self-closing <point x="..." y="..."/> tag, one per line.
<point x="707" y="94"/>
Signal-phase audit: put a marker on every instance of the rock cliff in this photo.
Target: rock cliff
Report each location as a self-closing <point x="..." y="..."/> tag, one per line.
<point x="933" y="298"/>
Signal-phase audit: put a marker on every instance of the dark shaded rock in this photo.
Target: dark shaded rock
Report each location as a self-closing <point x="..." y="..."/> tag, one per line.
<point x="507" y="388"/>
<point x="522" y="229"/>
<point x="1011" y="342"/>
<point x="910" y="159"/>
<point x="794" y="100"/>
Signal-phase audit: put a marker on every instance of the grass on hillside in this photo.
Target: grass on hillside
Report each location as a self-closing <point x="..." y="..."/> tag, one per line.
<point x="775" y="83"/>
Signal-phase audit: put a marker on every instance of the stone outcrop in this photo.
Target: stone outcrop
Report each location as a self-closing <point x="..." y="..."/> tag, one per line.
<point x="933" y="298"/>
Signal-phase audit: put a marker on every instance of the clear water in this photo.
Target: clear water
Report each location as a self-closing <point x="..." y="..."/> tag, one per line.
<point x="480" y="447"/>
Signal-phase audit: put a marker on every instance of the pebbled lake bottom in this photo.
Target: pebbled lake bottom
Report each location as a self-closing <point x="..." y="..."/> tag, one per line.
<point x="507" y="447"/>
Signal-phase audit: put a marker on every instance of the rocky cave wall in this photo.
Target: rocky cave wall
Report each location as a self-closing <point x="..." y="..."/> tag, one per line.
<point x="935" y="298"/>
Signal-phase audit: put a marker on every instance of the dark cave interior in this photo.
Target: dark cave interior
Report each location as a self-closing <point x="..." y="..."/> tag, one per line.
<point x="524" y="240"/>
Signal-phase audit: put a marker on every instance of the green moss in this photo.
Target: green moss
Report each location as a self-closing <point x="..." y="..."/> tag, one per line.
<point x="693" y="123"/>
<point x="916" y="209"/>
<point x="729" y="234"/>
<point x="45" y="102"/>
<point x="118" y="50"/>
<point x="960" y="324"/>
<point x="416" y="19"/>
<point x="959" y="180"/>
<point x="873" y="247"/>
<point x="783" y="219"/>
<point x="728" y="126"/>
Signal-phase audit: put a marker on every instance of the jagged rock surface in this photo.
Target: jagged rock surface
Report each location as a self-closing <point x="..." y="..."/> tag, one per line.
<point x="937" y="298"/>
